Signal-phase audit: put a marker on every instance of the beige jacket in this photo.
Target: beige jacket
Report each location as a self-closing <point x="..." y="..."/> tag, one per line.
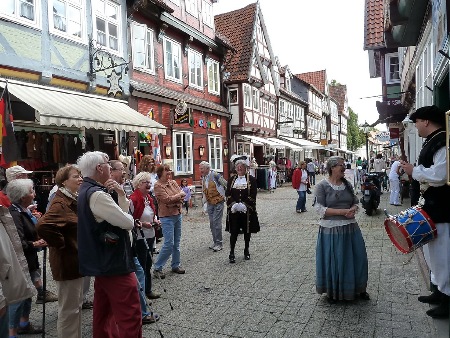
<point x="15" y="281"/>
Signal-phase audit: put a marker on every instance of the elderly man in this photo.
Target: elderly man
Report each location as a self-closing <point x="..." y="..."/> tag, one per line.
<point x="104" y="250"/>
<point x="429" y="180"/>
<point x="213" y="186"/>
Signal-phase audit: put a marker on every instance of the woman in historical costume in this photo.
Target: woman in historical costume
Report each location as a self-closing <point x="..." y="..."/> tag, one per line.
<point x="242" y="217"/>
<point x="341" y="258"/>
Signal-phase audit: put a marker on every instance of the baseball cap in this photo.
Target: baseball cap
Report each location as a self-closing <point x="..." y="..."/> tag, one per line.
<point x="14" y="171"/>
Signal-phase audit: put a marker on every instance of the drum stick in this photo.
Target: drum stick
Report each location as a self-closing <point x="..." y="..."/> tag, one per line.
<point x="386" y="213"/>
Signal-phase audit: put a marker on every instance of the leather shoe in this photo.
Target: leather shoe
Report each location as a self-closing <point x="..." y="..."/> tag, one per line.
<point x="159" y="274"/>
<point x="246" y="255"/>
<point x="178" y="270"/>
<point x="434" y="298"/>
<point x="153" y="295"/>
<point x="150" y="319"/>
<point x="439" y="312"/>
<point x="364" y="296"/>
<point x="232" y="258"/>
<point x="29" y="329"/>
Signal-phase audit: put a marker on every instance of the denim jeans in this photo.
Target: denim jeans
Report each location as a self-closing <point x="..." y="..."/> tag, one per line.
<point x="171" y="228"/>
<point x="17" y="310"/>
<point x="215" y="212"/>
<point x="4" y="322"/>
<point x="141" y="286"/>
<point x="301" y="202"/>
<point x="312" y="177"/>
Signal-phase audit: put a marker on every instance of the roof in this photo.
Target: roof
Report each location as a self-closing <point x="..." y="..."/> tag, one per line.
<point x="338" y="93"/>
<point x="374" y="24"/>
<point x="238" y="27"/>
<point x="317" y="79"/>
<point x="163" y="5"/>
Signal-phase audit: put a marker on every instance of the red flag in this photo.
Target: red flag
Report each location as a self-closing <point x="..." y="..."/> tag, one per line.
<point x="10" y="151"/>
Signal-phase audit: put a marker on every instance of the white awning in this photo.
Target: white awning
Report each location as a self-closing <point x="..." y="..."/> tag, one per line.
<point x="67" y="108"/>
<point x="303" y="143"/>
<point x="286" y="144"/>
<point x="261" y="140"/>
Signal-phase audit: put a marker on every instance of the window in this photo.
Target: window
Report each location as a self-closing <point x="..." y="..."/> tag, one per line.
<point x="107" y="24"/>
<point x="172" y="62"/>
<point x="424" y="77"/>
<point x="392" y="68"/>
<point x="255" y="95"/>
<point x="142" y="45"/>
<point x="215" y="152"/>
<point x="183" y="153"/>
<point x="271" y="110"/>
<point x="191" y="7"/>
<point x="288" y="83"/>
<point x="247" y="96"/>
<point x="208" y="17"/>
<point x="233" y="97"/>
<point x="23" y="11"/>
<point x="67" y="18"/>
<point x="213" y="77"/>
<point x="195" y="69"/>
<point x="265" y="107"/>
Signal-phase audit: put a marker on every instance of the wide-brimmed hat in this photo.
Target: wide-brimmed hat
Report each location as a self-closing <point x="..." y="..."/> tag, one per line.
<point x="14" y="171"/>
<point x="430" y="113"/>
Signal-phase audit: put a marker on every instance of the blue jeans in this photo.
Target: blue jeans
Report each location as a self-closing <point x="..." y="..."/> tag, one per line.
<point x="215" y="212"/>
<point x="301" y="202"/>
<point x="141" y="286"/>
<point x="17" y="310"/>
<point x="4" y="321"/>
<point x="312" y="177"/>
<point x="171" y="228"/>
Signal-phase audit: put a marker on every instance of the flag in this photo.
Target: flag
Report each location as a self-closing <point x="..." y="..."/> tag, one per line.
<point x="10" y="150"/>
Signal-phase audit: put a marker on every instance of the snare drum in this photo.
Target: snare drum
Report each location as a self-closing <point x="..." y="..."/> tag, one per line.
<point x="410" y="229"/>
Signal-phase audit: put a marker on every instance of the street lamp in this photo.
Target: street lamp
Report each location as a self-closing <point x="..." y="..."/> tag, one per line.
<point x="366" y="127"/>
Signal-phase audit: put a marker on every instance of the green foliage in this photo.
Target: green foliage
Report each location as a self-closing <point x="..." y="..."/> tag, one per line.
<point x="355" y="135"/>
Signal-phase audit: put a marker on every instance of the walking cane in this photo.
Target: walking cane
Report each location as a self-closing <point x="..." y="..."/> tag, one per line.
<point x="44" y="287"/>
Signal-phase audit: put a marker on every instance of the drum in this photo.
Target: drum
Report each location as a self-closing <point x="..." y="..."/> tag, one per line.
<point x="410" y="229"/>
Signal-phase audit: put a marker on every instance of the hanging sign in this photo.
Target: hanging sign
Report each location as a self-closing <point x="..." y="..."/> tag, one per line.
<point x="181" y="113"/>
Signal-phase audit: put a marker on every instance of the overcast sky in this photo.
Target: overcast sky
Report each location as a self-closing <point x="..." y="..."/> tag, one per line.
<point x="312" y="35"/>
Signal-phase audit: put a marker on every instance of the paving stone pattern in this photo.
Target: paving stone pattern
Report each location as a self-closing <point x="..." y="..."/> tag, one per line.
<point x="273" y="294"/>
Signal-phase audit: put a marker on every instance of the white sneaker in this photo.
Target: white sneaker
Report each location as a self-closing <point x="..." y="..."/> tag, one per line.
<point x="212" y="246"/>
<point x="217" y="248"/>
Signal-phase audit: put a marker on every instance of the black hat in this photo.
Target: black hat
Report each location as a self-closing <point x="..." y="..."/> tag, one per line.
<point x="430" y="113"/>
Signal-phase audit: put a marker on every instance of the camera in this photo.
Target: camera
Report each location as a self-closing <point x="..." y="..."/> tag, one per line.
<point x="109" y="238"/>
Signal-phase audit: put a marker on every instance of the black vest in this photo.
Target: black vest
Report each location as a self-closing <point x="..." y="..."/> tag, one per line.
<point x="95" y="257"/>
<point x="436" y="203"/>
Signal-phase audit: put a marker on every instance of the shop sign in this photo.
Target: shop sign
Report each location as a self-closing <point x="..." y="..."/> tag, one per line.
<point x="181" y="113"/>
<point x="383" y="136"/>
<point x="394" y="132"/>
<point x="201" y="123"/>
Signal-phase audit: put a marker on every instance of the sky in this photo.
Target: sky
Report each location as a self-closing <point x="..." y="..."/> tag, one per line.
<point x="321" y="34"/>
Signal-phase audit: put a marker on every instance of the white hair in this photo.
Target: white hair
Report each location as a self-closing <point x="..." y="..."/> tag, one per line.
<point x="244" y="162"/>
<point x="205" y="165"/>
<point x="16" y="189"/>
<point x="141" y="177"/>
<point x="89" y="161"/>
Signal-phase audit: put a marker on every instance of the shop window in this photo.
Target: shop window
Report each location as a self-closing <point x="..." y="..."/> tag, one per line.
<point x="215" y="152"/>
<point x="66" y="18"/>
<point x="172" y="62"/>
<point x="195" y="69"/>
<point x="183" y="159"/>
<point x="142" y="45"/>
<point x="107" y="24"/>
<point x="22" y="11"/>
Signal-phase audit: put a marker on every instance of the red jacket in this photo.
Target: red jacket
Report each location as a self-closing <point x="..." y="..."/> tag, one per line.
<point x="296" y="178"/>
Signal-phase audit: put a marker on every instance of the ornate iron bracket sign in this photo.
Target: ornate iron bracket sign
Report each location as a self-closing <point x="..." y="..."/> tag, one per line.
<point x="100" y="60"/>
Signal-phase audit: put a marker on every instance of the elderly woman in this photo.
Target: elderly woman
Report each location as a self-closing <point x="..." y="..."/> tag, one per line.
<point x="58" y="227"/>
<point x="241" y="207"/>
<point x="143" y="209"/>
<point x="341" y="258"/>
<point x="21" y="194"/>
<point x="170" y="199"/>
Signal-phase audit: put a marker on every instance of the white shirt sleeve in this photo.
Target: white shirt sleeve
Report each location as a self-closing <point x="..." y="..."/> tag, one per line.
<point x="105" y="209"/>
<point x="436" y="175"/>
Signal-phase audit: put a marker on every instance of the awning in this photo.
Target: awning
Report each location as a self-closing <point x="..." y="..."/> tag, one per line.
<point x="67" y="108"/>
<point x="303" y="143"/>
<point x="261" y="140"/>
<point x="285" y="144"/>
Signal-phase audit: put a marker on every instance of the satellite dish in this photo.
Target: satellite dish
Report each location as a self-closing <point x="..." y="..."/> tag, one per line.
<point x="180" y="108"/>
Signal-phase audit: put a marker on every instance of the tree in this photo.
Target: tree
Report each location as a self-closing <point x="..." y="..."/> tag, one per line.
<point x="355" y="135"/>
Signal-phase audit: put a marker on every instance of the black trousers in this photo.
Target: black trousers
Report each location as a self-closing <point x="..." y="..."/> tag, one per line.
<point x="145" y="260"/>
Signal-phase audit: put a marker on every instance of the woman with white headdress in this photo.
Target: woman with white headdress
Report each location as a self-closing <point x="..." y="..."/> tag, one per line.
<point x="242" y="217"/>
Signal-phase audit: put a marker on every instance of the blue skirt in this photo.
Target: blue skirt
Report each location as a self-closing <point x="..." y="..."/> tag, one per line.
<point x="341" y="262"/>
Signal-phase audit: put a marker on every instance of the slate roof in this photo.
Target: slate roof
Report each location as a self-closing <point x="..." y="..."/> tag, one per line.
<point x="317" y="79"/>
<point x="374" y="24"/>
<point x="338" y="92"/>
<point x="237" y="26"/>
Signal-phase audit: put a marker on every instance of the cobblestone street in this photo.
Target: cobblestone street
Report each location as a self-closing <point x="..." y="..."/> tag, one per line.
<point x="273" y="294"/>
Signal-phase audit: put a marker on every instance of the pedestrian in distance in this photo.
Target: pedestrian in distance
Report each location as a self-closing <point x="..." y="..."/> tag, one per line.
<point x="429" y="182"/>
<point x="187" y="191"/>
<point x="213" y="187"/>
<point x="341" y="257"/>
<point x="242" y="217"/>
<point x="311" y="169"/>
<point x="394" y="183"/>
<point x="170" y="199"/>
<point x="300" y="180"/>
<point x="104" y="250"/>
<point x="58" y="227"/>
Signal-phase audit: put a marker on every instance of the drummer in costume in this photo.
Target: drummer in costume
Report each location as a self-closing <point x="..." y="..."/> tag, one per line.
<point x="429" y="180"/>
<point x="242" y="217"/>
